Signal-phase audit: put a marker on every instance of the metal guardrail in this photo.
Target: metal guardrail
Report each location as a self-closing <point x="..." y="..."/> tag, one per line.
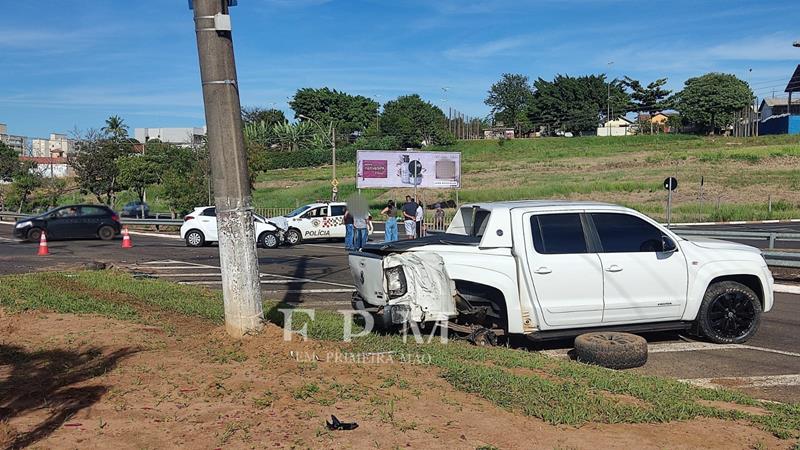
<point x="742" y="235"/>
<point x="124" y="220"/>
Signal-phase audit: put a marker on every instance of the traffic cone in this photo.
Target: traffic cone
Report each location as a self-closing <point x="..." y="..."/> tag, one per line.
<point x="43" y="250"/>
<point x="126" y="239"/>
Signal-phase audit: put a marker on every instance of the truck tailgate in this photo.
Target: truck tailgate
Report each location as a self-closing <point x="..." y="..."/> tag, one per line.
<point x="367" y="271"/>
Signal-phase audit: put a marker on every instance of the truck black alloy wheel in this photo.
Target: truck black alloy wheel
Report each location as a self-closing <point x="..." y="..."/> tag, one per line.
<point x="730" y="313"/>
<point x="611" y="349"/>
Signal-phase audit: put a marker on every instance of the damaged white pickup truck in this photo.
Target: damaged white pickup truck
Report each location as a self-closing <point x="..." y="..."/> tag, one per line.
<point x="553" y="269"/>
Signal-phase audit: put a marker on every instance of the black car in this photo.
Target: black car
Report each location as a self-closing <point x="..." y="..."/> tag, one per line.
<point x="70" y="222"/>
<point x="136" y="209"/>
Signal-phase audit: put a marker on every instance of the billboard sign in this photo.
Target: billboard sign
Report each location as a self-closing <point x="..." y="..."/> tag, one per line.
<point x="397" y="169"/>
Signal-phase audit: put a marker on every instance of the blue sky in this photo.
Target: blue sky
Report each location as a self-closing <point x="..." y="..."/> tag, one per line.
<point x="72" y="63"/>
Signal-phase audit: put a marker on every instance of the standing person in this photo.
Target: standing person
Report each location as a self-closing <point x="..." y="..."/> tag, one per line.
<point x="390" y="213"/>
<point x="438" y="218"/>
<point x="348" y="230"/>
<point x="360" y="224"/>
<point x="419" y="218"/>
<point x="410" y="217"/>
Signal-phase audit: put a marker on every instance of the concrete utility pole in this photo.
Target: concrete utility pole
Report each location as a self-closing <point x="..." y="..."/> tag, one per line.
<point x="241" y="287"/>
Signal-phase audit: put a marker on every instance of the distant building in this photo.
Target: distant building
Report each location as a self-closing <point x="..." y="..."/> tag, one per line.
<point x="620" y="126"/>
<point x="185" y="137"/>
<point x="658" y="121"/>
<point x="776" y="106"/>
<point x="18" y="143"/>
<point x="499" y="133"/>
<point x="58" y="145"/>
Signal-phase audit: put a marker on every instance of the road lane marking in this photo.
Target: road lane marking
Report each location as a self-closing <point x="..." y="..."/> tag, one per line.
<point x="310" y="291"/>
<point x="165" y="236"/>
<point x="183" y="275"/>
<point x="745" y="382"/>
<point x="7" y="239"/>
<point x="786" y="289"/>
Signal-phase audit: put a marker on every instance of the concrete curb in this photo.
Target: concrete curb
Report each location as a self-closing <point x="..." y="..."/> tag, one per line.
<point x="787" y="288"/>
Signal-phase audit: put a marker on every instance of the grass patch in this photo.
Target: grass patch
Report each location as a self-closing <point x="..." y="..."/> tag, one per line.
<point x="558" y="391"/>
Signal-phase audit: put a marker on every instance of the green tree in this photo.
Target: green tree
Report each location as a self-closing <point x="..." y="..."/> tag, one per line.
<point x="9" y="162"/>
<point x="136" y="172"/>
<point x="187" y="181"/>
<point x="115" y="128"/>
<point x="26" y="181"/>
<point x="95" y="164"/>
<point x="710" y="101"/>
<point x="650" y="98"/>
<point x="577" y="104"/>
<point x="415" y="122"/>
<point x="254" y="115"/>
<point x="348" y="113"/>
<point x="509" y="99"/>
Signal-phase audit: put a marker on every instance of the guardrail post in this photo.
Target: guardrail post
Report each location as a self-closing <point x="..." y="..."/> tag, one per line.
<point x="771" y="241"/>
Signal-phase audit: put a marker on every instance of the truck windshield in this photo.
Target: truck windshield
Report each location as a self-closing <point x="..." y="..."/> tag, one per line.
<point x="298" y="211"/>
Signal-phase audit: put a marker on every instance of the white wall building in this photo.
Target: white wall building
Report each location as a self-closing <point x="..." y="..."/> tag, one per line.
<point x="178" y="136"/>
<point x="617" y="127"/>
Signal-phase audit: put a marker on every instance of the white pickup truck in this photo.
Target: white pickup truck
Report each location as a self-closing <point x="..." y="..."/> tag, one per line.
<point x="550" y="269"/>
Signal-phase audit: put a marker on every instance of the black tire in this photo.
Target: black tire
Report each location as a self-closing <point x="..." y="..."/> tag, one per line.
<point x="611" y="349"/>
<point x="34" y="234"/>
<point x="293" y="236"/>
<point x="106" y="233"/>
<point x="195" y="238"/>
<point x="729" y="314"/>
<point x="269" y="240"/>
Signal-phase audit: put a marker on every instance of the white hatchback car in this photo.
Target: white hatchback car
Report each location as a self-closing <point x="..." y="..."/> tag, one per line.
<point x="316" y="221"/>
<point x="200" y="228"/>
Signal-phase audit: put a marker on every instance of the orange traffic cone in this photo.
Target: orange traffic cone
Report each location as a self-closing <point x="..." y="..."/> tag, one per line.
<point x="126" y="239"/>
<point x="43" y="250"/>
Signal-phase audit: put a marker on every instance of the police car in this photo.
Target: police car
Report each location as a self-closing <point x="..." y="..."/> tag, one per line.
<point x="316" y="221"/>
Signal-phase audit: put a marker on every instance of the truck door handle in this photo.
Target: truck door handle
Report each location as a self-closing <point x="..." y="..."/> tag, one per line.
<point x="613" y="268"/>
<point x="542" y="270"/>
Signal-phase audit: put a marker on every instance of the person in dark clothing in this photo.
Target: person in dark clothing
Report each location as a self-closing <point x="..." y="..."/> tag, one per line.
<point x="410" y="217"/>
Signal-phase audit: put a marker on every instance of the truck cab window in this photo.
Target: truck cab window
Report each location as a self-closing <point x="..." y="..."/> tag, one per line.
<point x="623" y="233"/>
<point x="555" y="234"/>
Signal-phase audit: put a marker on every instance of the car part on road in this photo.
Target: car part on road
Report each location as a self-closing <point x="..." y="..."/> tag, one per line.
<point x="106" y="233"/>
<point x="611" y="349"/>
<point x="336" y="424"/>
<point x="730" y="313"/>
<point x="194" y="238"/>
<point x="293" y="236"/>
<point x="269" y="240"/>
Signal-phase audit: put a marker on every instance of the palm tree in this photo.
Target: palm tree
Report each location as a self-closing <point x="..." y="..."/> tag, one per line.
<point x="115" y="127"/>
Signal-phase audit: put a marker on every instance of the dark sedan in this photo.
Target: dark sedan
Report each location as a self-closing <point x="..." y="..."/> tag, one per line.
<point x="71" y="222"/>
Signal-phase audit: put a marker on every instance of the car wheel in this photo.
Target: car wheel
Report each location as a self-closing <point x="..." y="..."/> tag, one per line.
<point x="269" y="240"/>
<point x="293" y="236"/>
<point x="730" y="313"/>
<point x="105" y="233"/>
<point x="34" y="234"/>
<point x="195" y="238"/>
<point x="611" y="349"/>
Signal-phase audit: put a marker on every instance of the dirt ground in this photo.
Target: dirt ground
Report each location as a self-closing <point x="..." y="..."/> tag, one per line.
<point x="70" y="381"/>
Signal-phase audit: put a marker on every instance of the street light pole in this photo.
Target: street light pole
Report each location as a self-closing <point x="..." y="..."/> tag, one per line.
<point x="334" y="181"/>
<point x="241" y="287"/>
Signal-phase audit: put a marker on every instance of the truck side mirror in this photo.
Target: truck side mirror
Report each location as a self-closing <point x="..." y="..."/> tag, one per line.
<point x="668" y="245"/>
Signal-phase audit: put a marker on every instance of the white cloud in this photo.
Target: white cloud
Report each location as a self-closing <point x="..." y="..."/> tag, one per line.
<point x="486" y="49"/>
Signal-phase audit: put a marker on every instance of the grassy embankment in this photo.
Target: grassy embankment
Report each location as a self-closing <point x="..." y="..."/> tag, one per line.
<point x="741" y="175"/>
<point x="556" y="391"/>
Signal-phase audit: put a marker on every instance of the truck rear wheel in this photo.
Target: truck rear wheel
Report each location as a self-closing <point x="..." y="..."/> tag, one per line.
<point x="611" y="349"/>
<point x="730" y="313"/>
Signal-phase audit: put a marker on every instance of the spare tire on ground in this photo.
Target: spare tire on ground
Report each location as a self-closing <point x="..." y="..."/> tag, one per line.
<point x="611" y="349"/>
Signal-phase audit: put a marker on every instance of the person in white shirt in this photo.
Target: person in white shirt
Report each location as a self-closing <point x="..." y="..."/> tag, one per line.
<point x="420" y="218"/>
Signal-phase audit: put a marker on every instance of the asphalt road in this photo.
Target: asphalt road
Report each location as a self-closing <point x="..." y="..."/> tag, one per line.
<point x="317" y="276"/>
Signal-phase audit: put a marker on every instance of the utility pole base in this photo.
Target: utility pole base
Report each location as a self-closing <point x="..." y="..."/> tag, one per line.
<point x="241" y="285"/>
